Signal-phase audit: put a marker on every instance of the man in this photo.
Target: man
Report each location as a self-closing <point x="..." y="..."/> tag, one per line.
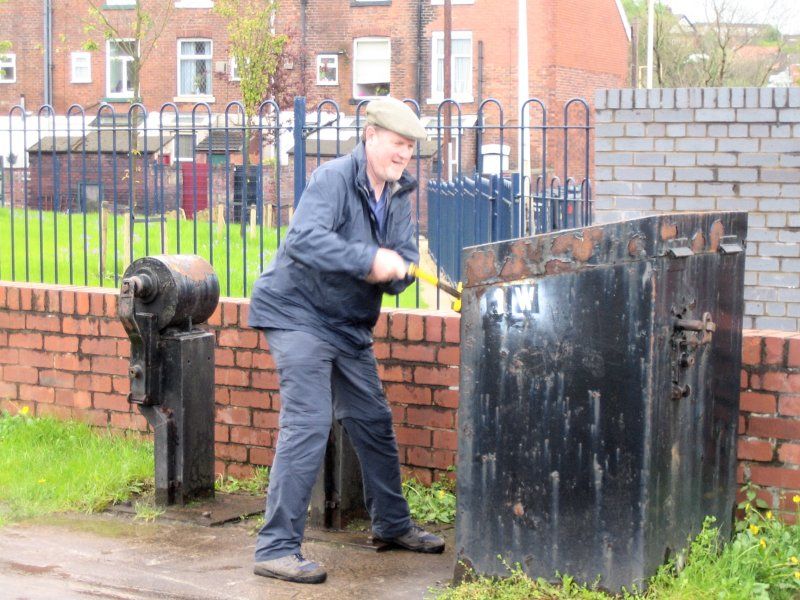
<point x="349" y="242"/>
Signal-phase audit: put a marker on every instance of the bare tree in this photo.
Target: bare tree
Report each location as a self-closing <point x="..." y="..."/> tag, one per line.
<point x="731" y="48"/>
<point x="731" y="28"/>
<point x="136" y="37"/>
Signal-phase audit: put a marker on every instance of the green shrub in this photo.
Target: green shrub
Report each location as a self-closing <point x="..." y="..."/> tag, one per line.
<point x="434" y="504"/>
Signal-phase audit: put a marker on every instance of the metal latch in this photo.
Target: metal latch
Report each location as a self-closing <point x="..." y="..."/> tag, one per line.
<point x="705" y="326"/>
<point x="730" y="244"/>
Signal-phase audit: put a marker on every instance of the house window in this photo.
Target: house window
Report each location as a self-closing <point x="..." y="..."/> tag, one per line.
<point x="371" y="67"/>
<point x="194" y="67"/>
<point x="327" y="69"/>
<point x="460" y="66"/>
<point x="185" y="146"/>
<point x="8" y="68"/>
<point x="120" y="3"/>
<point x="235" y="76"/>
<point x="81" y="67"/>
<point x="119" y="68"/>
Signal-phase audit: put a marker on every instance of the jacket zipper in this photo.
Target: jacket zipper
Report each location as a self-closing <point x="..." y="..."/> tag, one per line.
<point x="372" y="220"/>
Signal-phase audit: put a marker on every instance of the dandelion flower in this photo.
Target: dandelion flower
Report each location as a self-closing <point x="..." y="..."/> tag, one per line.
<point x="753" y="529"/>
<point x="794" y="560"/>
<point x="763" y="543"/>
<point x="797" y="574"/>
<point x="796" y="499"/>
<point x="25" y="410"/>
<point x="768" y="515"/>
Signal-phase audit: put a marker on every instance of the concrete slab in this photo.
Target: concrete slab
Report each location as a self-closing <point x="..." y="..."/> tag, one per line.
<point x="112" y="556"/>
<point x="222" y="508"/>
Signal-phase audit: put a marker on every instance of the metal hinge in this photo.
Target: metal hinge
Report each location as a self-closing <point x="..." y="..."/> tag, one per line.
<point x="679" y="248"/>
<point x="730" y="244"/>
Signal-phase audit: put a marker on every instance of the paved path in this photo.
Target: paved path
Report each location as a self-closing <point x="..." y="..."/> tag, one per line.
<point x="115" y="557"/>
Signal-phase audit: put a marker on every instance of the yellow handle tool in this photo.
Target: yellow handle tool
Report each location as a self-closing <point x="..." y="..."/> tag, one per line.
<point x="415" y="271"/>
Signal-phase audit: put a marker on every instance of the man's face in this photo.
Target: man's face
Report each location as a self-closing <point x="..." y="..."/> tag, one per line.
<point x="388" y="153"/>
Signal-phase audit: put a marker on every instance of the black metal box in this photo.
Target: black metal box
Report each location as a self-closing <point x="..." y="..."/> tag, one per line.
<point x="599" y="395"/>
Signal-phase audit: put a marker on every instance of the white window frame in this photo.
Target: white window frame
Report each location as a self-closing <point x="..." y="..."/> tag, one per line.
<point x="75" y="59"/>
<point x="9" y="59"/>
<point x="119" y="3"/>
<point x="438" y="95"/>
<point x="124" y="59"/>
<point x="234" y="69"/>
<point x="356" y="42"/>
<point x="320" y="58"/>
<point x="209" y="57"/>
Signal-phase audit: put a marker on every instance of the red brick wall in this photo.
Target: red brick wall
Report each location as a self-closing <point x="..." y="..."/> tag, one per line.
<point x="64" y="352"/>
<point x="769" y="423"/>
<point x="159" y="74"/>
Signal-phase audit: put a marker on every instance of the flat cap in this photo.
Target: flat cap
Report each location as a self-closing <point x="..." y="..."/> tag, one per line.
<point x="395" y="115"/>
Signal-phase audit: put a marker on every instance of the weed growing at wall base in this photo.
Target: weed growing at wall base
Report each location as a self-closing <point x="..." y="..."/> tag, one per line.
<point x="434" y="504"/>
<point x="761" y="562"/>
<point x="48" y="466"/>
<point x="255" y="485"/>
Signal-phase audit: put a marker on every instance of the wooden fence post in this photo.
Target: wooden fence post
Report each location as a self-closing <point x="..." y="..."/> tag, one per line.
<point x="252" y="221"/>
<point x="268" y="215"/>
<point x="127" y="242"/>
<point x="220" y="218"/>
<point x="104" y="239"/>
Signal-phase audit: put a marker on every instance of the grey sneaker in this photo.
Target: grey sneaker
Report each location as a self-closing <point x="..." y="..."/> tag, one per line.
<point x="417" y="539"/>
<point x="293" y="568"/>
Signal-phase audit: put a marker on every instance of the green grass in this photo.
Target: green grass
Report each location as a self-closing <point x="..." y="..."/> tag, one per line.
<point x="66" y="250"/>
<point x="147" y="511"/>
<point x="761" y="562"/>
<point x="49" y="466"/>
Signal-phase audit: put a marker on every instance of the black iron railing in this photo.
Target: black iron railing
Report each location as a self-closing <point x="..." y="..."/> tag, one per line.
<point x="84" y="194"/>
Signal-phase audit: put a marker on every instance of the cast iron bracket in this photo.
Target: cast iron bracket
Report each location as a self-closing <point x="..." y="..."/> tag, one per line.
<point x="143" y="372"/>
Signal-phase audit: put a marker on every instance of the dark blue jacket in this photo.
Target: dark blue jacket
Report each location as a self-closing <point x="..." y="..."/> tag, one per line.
<point x="316" y="281"/>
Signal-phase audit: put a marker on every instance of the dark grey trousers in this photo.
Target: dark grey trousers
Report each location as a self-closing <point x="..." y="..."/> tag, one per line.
<point x="319" y="382"/>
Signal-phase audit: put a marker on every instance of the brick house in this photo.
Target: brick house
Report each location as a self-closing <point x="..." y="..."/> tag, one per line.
<point x="193" y="42"/>
<point x="347" y="52"/>
<point x="361" y="49"/>
<point x="376" y="46"/>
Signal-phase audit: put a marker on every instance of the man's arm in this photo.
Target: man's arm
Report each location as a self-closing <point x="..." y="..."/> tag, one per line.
<point x="312" y="239"/>
<point x="406" y="246"/>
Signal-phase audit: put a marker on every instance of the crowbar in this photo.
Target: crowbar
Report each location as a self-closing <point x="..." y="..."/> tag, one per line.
<point x="415" y="271"/>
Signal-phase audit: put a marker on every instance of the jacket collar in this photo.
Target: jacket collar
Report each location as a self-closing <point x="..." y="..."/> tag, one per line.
<point x="359" y="154"/>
